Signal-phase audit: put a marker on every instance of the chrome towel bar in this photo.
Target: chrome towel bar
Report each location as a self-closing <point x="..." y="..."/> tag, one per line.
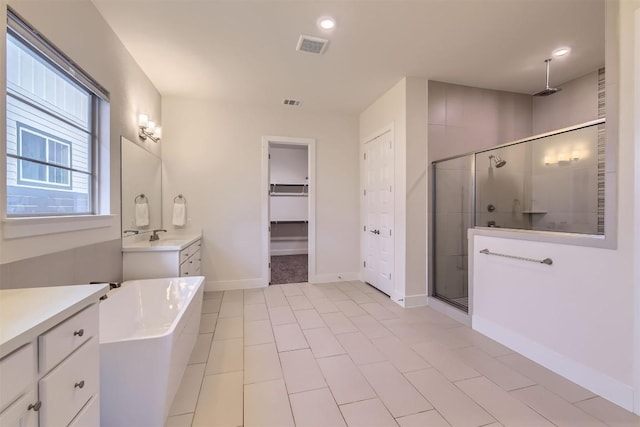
<point x="547" y="261"/>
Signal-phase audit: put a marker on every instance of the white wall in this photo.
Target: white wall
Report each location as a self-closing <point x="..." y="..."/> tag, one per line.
<point x="77" y="28"/>
<point x="212" y="155"/>
<point x="577" y="317"/>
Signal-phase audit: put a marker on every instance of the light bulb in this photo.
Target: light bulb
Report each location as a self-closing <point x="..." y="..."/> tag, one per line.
<point x="143" y="120"/>
<point x="327" y="23"/>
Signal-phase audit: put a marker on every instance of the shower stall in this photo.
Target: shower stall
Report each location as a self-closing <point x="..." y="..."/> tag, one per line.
<point x="552" y="183"/>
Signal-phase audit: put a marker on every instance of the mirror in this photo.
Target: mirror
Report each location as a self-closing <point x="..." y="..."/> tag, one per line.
<point x="141" y="183"/>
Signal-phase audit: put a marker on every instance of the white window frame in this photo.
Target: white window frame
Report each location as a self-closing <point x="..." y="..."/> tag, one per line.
<point x="20" y="227"/>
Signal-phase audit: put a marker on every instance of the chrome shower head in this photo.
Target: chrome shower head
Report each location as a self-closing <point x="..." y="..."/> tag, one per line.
<point x="548" y="90"/>
<point x="497" y="160"/>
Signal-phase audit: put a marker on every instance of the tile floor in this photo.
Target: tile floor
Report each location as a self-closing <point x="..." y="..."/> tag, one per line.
<point x="343" y="354"/>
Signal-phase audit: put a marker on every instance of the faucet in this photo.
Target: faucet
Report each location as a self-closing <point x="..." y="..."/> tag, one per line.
<point x="154" y="236"/>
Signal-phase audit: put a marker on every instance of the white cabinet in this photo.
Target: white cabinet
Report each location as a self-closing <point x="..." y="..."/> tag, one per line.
<point x="168" y="262"/>
<point x="52" y="378"/>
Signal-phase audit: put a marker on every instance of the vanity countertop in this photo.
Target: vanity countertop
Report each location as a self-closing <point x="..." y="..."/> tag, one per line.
<point x="170" y="242"/>
<point x="27" y="313"/>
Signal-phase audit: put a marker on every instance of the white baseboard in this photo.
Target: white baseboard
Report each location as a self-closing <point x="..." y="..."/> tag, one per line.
<point x="415" y="301"/>
<point x="231" y="285"/>
<point x="279" y="252"/>
<point x="449" y="310"/>
<point x="335" y="277"/>
<point x="617" y="392"/>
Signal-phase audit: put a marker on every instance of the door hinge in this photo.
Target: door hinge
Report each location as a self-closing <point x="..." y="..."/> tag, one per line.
<point x="365" y="263"/>
<point x="365" y="192"/>
<point x="269" y="156"/>
<point x="389" y="232"/>
<point x="389" y="276"/>
<point x="364" y="228"/>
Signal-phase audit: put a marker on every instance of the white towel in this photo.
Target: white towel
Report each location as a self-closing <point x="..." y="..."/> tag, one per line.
<point x="142" y="214"/>
<point x="179" y="214"/>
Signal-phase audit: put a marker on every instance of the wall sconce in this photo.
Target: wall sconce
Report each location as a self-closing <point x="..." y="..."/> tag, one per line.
<point x="563" y="158"/>
<point x="148" y="129"/>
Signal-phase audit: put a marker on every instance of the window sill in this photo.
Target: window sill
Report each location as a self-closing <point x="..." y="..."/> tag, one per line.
<point x="14" y="228"/>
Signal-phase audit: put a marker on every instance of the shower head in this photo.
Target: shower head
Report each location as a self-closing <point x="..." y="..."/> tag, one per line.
<point x="548" y="90"/>
<point x="498" y="161"/>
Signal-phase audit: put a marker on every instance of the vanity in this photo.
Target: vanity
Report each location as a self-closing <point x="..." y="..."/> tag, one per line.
<point x="50" y="356"/>
<point x="171" y="256"/>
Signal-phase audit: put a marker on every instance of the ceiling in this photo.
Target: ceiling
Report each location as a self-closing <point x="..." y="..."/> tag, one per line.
<point x="243" y="52"/>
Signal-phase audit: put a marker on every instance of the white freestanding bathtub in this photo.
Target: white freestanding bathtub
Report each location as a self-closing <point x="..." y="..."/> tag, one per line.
<point x="148" y="329"/>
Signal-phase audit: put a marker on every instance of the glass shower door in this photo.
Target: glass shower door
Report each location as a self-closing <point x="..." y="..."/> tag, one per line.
<point x="453" y="212"/>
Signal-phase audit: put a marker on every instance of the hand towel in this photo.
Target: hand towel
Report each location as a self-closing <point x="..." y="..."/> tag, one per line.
<point x="142" y="214"/>
<point x="179" y="214"/>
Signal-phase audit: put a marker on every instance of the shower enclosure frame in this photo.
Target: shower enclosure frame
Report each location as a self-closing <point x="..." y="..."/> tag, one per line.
<point x="473" y="225"/>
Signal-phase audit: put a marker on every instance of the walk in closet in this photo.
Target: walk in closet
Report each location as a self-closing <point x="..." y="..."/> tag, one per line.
<point x="289" y="212"/>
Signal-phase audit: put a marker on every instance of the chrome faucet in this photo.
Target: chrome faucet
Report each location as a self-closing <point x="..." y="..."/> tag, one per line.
<point x="154" y="236"/>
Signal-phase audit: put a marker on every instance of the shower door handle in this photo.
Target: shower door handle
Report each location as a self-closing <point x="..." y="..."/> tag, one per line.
<point x="375" y="231"/>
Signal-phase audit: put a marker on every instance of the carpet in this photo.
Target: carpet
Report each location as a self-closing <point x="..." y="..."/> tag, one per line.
<point x="289" y="269"/>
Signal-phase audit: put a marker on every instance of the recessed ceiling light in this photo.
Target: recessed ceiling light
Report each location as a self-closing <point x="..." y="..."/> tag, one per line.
<point x="326" y="23"/>
<point x="562" y="51"/>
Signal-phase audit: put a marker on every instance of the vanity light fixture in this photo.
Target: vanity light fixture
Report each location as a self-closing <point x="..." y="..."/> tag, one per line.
<point x="148" y="129"/>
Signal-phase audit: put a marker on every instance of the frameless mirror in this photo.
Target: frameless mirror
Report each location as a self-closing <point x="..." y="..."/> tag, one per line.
<point x="141" y="179"/>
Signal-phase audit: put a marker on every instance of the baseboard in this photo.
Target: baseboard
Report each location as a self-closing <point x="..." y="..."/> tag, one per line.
<point x="619" y="393"/>
<point x="449" y="310"/>
<point x="279" y="252"/>
<point x="231" y="285"/>
<point x="334" y="277"/>
<point x="415" y="301"/>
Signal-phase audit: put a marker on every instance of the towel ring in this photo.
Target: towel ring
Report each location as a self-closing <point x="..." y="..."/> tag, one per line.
<point x="141" y="198"/>
<point x="180" y="198"/>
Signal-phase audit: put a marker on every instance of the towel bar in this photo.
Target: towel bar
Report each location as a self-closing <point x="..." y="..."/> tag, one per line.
<point x="547" y="261"/>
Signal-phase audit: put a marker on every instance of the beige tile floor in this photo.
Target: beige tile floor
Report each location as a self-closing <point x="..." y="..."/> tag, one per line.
<point x="343" y="354"/>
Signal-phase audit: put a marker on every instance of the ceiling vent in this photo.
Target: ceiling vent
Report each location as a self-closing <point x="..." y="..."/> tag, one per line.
<point x="313" y="45"/>
<point x="293" y="102"/>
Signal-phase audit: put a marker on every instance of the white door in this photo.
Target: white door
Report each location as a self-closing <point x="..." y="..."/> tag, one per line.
<point x="378" y="229"/>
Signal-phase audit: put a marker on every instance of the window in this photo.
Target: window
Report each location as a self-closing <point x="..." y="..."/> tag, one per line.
<point x="52" y="123"/>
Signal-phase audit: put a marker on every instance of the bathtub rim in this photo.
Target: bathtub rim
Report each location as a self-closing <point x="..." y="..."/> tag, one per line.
<point x="168" y="330"/>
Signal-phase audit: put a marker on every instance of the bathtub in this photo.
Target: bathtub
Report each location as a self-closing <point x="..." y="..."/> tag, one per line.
<point x="148" y="329"/>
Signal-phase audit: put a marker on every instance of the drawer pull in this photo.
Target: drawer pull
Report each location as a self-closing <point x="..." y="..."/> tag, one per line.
<point x="79" y="333"/>
<point x="35" y="406"/>
<point x="79" y="384"/>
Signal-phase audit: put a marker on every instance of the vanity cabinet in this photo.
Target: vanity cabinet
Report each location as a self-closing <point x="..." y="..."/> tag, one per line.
<point x="160" y="261"/>
<point x="52" y="378"/>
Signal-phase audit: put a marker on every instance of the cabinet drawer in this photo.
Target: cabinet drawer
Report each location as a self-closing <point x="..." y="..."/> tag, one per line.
<point x="89" y="416"/>
<point x="66" y="389"/>
<point x="191" y="266"/>
<point x="58" y="342"/>
<point x="19" y="414"/>
<point x="190" y="250"/>
<point x="18" y="372"/>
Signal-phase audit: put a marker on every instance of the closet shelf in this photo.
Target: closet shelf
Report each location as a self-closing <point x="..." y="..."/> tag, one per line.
<point x="289" y="194"/>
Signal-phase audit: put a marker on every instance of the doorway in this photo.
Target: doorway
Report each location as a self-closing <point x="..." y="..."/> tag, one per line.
<point x="289" y="209"/>
<point x="378" y="211"/>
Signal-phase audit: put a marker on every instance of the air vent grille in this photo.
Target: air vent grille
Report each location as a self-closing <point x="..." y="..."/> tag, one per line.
<point x="293" y="102"/>
<point x="313" y="45"/>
